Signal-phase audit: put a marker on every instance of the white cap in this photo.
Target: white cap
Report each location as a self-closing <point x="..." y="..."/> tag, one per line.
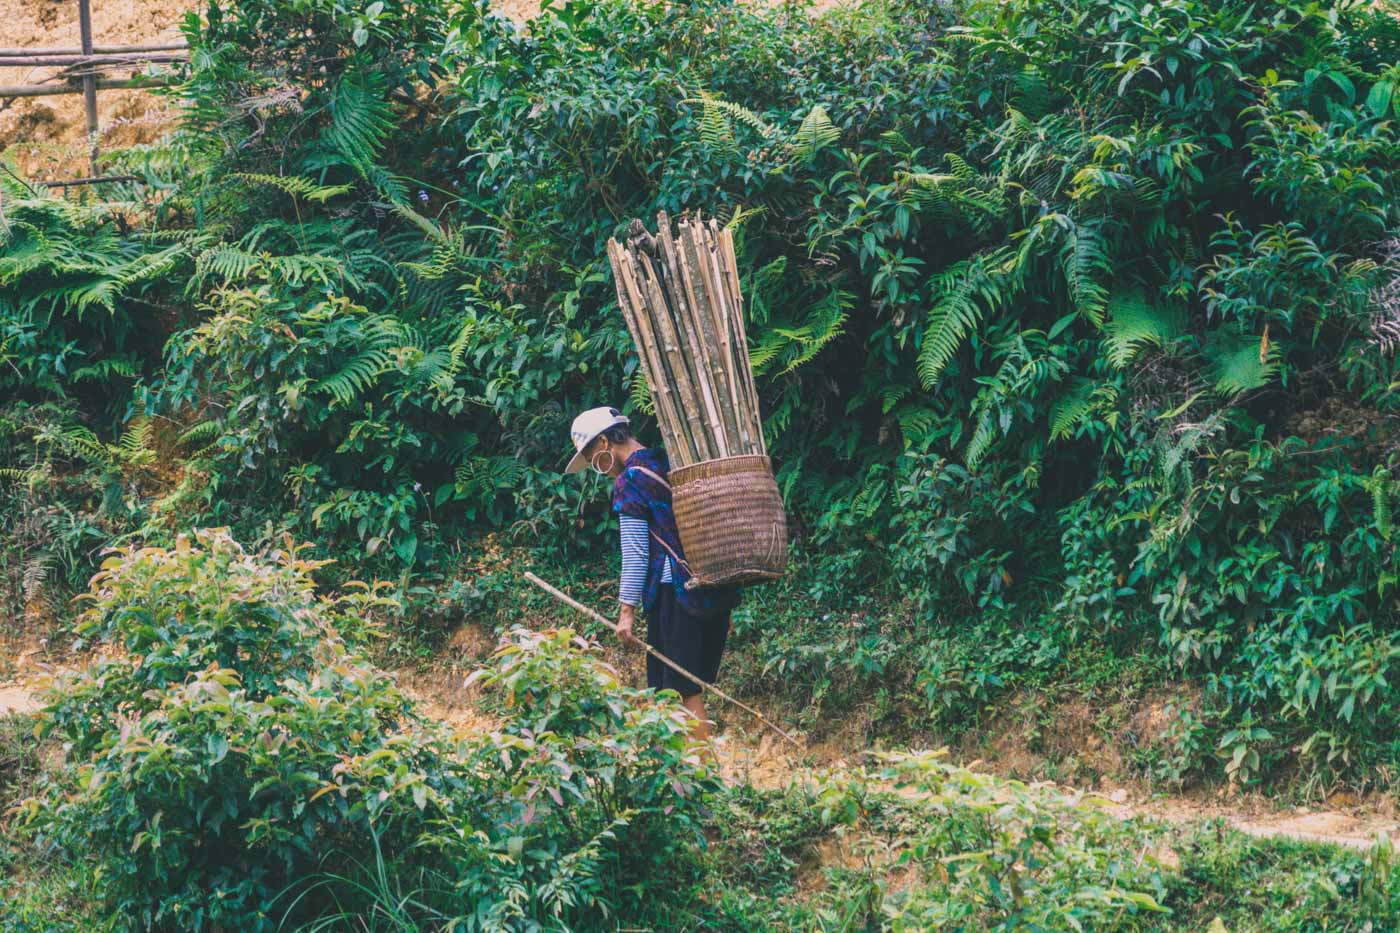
<point x="585" y="430"/>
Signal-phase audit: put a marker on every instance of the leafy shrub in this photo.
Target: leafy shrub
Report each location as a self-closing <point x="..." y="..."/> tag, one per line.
<point x="1009" y="855"/>
<point x="239" y="762"/>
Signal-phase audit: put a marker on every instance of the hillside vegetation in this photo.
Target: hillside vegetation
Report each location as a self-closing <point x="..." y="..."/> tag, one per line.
<point x="1076" y="328"/>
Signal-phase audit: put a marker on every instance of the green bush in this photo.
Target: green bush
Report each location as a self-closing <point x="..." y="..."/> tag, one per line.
<point x="237" y="762"/>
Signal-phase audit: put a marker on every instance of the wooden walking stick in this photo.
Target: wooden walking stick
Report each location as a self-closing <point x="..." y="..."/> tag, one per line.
<point x="709" y="688"/>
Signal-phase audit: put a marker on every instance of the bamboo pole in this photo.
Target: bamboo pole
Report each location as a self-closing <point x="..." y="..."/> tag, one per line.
<point x="634" y="311"/>
<point x="89" y="58"/>
<point x="715" y="362"/>
<point x="711" y="263"/>
<point x="707" y="687"/>
<point x="680" y="296"/>
<point x="89" y="81"/>
<point x="736" y="350"/>
<point x="103" y="84"/>
<point x="98" y="49"/>
<point x="671" y="344"/>
<point x="688" y="315"/>
<point x="80" y="182"/>
<point x="685" y="450"/>
<point x="731" y="264"/>
<point x="624" y="303"/>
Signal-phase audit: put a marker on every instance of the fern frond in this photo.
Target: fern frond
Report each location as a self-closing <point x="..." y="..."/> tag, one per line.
<point x="815" y="134"/>
<point x="1135" y="322"/>
<point x="445" y="379"/>
<point x="296" y="186"/>
<point x="1086" y="265"/>
<point x="362" y="117"/>
<point x="959" y="194"/>
<point x="964" y="292"/>
<point x="763" y="352"/>
<point x="357" y="375"/>
<point x="1236" y="363"/>
<point x="915" y="422"/>
<point x="104" y="370"/>
<point x="135" y="444"/>
<point x="200" y="433"/>
<point x="981" y="441"/>
<point x="483" y="477"/>
<point x="1031" y="93"/>
<point x="1071" y="408"/>
<point x="717" y="119"/>
<point x="639" y="394"/>
<point x="824" y="323"/>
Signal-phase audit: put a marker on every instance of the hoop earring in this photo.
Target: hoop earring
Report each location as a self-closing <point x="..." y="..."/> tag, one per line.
<point x="612" y="461"/>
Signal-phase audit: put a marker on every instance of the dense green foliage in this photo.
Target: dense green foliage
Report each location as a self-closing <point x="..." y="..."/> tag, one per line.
<point x="1075" y="323"/>
<point x="239" y="763"/>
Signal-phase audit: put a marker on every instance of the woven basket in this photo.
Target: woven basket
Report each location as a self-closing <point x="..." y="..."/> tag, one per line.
<point x="731" y="521"/>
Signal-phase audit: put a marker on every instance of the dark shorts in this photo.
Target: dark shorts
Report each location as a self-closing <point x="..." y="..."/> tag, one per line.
<point x="693" y="642"/>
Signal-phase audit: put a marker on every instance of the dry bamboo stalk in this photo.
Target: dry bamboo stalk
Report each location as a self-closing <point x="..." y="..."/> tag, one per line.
<point x="680" y="296"/>
<point x="660" y="401"/>
<point x="667" y="405"/>
<point x="717" y="334"/>
<point x="680" y="439"/>
<point x="687" y="321"/>
<point x="731" y="266"/>
<point x="712" y="264"/>
<point x="670" y="344"/>
<point x="711" y="350"/>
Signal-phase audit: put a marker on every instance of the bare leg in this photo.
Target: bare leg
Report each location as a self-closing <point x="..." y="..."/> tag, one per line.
<point x="700" y="726"/>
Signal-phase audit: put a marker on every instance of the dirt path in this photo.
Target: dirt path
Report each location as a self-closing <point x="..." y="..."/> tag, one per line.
<point x="768" y="763"/>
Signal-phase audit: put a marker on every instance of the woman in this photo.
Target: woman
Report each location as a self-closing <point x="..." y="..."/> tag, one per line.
<point x="689" y="626"/>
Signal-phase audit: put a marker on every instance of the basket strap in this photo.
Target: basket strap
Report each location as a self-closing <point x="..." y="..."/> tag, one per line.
<point x="669" y="550"/>
<point x="653" y="474"/>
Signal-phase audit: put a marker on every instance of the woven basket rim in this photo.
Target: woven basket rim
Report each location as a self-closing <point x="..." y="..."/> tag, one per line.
<point x="762" y="461"/>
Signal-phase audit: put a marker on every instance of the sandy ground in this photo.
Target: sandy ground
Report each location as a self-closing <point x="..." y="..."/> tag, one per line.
<point x="46" y="136"/>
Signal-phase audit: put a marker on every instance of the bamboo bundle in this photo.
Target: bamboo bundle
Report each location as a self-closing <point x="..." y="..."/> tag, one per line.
<point x="679" y="294"/>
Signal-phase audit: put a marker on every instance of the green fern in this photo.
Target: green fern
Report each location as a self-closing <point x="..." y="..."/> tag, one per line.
<point x="482" y="478"/>
<point x="362" y="117"/>
<point x="960" y="194"/>
<point x="105" y="370"/>
<point x="134" y="447"/>
<point x="1086" y="265"/>
<point x="815" y="134"/>
<point x="296" y="186"/>
<point x="231" y="263"/>
<point x="1133" y="323"/>
<point x="915" y="422"/>
<point x="360" y="373"/>
<point x="793" y="346"/>
<point x="728" y="113"/>
<point x="639" y="395"/>
<point x="964" y="292"/>
<point x="1236" y="363"/>
<point x="1031" y="93"/>
<point x="981" y="441"/>
<point x="200" y="433"/>
<point x="1380" y="486"/>
<point x="1072" y="408"/>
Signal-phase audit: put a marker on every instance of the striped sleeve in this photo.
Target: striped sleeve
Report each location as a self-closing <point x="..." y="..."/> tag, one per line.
<point x="636" y="551"/>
